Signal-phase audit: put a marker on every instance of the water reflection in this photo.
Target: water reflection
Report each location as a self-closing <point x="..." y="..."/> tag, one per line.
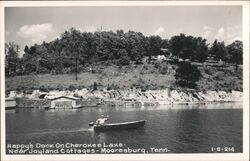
<point x="181" y="128"/>
<point x="189" y="124"/>
<point x="100" y="136"/>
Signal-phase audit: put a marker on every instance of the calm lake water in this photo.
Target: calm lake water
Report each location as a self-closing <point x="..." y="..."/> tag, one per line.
<point x="179" y="128"/>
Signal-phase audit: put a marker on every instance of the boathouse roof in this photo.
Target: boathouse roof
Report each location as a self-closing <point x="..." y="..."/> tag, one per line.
<point x="67" y="97"/>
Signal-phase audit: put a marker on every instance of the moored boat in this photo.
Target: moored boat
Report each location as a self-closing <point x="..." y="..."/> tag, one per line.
<point x="119" y="126"/>
<point x="10" y="103"/>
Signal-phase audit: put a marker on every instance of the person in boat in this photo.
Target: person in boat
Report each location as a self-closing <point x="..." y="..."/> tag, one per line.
<point x="101" y="120"/>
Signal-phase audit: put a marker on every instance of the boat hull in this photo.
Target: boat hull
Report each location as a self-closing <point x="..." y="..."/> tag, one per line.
<point x="119" y="126"/>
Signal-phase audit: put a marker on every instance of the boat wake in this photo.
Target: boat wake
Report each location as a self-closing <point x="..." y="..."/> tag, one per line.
<point x="51" y="131"/>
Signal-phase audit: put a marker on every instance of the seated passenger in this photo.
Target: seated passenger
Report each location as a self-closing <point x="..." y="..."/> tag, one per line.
<point x="101" y="120"/>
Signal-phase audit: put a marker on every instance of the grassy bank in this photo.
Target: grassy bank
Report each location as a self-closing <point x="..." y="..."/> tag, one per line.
<point x="146" y="76"/>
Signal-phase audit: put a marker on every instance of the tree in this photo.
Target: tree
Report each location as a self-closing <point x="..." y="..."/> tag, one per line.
<point x="73" y="46"/>
<point x="31" y="59"/>
<point x="187" y="75"/>
<point x="219" y="51"/>
<point x="104" y="46"/>
<point x="165" y="43"/>
<point x="201" y="50"/>
<point x="75" y="49"/>
<point x="189" y="47"/>
<point x="135" y="45"/>
<point x="94" y="86"/>
<point x="154" y="47"/>
<point x="235" y="52"/>
<point x="124" y="59"/>
<point x="11" y="58"/>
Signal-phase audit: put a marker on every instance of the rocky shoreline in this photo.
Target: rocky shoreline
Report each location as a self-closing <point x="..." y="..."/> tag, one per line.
<point x="129" y="96"/>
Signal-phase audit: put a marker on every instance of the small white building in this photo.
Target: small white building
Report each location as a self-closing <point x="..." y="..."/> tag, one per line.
<point x="10" y="103"/>
<point x="65" y="102"/>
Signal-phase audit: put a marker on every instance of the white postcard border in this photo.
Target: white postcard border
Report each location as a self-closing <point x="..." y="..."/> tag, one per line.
<point x="193" y="156"/>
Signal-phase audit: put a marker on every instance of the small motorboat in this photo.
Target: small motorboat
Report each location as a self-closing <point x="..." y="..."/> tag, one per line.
<point x="118" y="126"/>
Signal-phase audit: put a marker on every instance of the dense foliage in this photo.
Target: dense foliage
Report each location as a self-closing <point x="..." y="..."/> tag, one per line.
<point x="12" y="62"/>
<point x="235" y="52"/>
<point x="189" y="47"/>
<point x="74" y="50"/>
<point x="219" y="51"/>
<point x="187" y="75"/>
